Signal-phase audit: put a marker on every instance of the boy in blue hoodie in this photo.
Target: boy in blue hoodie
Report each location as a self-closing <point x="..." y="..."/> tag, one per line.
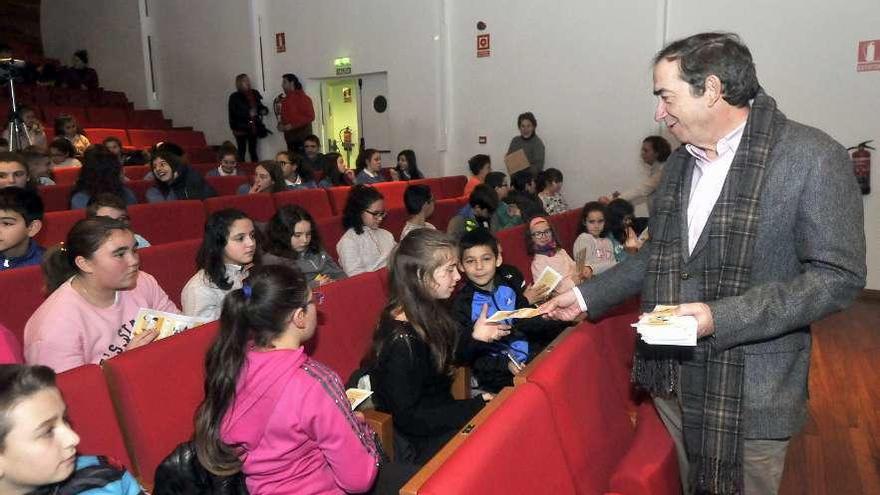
<point x="502" y="287"/>
<point x="482" y="204"/>
<point x="21" y="218"/>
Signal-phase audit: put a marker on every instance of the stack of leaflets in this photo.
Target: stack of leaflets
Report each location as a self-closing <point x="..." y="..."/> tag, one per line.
<point x="518" y="313"/>
<point x="547" y="281"/>
<point x="356" y="396"/>
<point x="167" y="324"/>
<point x="660" y="327"/>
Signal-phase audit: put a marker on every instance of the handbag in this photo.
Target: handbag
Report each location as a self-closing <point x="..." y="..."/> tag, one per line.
<point x="181" y="472"/>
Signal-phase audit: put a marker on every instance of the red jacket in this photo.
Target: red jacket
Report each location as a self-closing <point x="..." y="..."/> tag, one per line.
<point x="297" y="109"/>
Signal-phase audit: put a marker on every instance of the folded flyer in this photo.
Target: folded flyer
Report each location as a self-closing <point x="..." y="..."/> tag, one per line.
<point x="356" y="396"/>
<point x="167" y="324"/>
<point x="661" y="327"/>
<point x="549" y="279"/>
<point x="519" y="313"/>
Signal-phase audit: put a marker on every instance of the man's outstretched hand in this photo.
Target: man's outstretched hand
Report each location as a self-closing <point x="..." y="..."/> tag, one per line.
<point x="562" y="307"/>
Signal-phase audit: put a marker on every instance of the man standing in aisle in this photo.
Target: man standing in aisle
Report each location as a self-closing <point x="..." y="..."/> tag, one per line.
<point x="295" y="113"/>
<point x="758" y="231"/>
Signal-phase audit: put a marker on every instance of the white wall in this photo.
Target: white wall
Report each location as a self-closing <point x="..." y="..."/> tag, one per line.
<point x="379" y="36"/>
<point x="109" y="30"/>
<point x="805" y="53"/>
<point x="199" y="46"/>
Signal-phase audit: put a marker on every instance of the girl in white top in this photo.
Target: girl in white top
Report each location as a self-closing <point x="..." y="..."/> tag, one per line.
<point x="593" y="249"/>
<point x="228" y="249"/>
<point x="364" y="247"/>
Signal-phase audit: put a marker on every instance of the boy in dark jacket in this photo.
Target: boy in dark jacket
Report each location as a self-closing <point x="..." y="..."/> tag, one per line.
<point x="502" y="287"/>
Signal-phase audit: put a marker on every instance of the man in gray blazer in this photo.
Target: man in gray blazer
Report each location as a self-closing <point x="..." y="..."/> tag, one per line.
<point x="757" y="232"/>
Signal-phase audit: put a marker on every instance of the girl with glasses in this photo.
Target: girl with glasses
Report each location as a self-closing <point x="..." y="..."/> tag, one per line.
<point x="542" y="243"/>
<point x="364" y="247"/>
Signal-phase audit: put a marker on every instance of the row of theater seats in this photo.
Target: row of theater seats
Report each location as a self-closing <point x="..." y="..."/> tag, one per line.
<point x="103" y="117"/>
<point x="151" y="219"/>
<point x="175" y="229"/>
<point x="36" y="96"/>
<point x="570" y="425"/>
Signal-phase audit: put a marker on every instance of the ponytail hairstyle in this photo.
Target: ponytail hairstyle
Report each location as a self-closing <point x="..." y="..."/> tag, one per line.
<point x="364" y="158"/>
<point x="589" y="208"/>
<point x="210" y="255"/>
<point x="86" y="237"/>
<point x="410" y="273"/>
<point x="257" y="313"/>
<point x="281" y="227"/>
<point x="18" y="382"/>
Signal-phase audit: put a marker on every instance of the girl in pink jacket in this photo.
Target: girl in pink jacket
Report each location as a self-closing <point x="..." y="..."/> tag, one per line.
<point x="270" y="411"/>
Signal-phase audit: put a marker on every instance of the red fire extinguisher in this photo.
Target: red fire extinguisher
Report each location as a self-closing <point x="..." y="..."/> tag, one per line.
<point x="861" y="159"/>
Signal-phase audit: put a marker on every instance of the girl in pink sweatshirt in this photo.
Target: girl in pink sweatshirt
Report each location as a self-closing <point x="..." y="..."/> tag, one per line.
<point x="96" y="291"/>
<point x="270" y="411"/>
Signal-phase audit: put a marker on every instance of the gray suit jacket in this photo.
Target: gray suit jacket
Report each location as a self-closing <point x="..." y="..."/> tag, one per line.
<point x="809" y="261"/>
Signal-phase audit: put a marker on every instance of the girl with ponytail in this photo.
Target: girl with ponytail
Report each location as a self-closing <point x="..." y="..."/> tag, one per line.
<point x="271" y="412"/>
<point x="96" y="291"/>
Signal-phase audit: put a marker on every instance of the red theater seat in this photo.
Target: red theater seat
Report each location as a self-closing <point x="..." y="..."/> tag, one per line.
<point x="50" y="112"/>
<point x="650" y="464"/>
<point x="116" y="117"/>
<point x="347" y="320"/>
<point x="187" y="139"/>
<point x="566" y="225"/>
<point x="97" y="135"/>
<point x="112" y="99"/>
<point x="259" y="207"/>
<point x="56" y="225"/>
<point x="147" y="119"/>
<point x="66" y="176"/>
<point x="444" y="210"/>
<point x="512" y="448"/>
<point x="157" y="389"/>
<point x="395" y="221"/>
<point x="228" y="185"/>
<point x="392" y="192"/>
<point x="145" y="138"/>
<point x="454" y="185"/>
<point x="435" y="184"/>
<point x="338" y="195"/>
<point x="90" y="411"/>
<point x="136" y="172"/>
<point x="172" y="264"/>
<point x="22" y="290"/>
<point x="315" y="201"/>
<point x="331" y="231"/>
<point x="56" y="198"/>
<point x="139" y="188"/>
<point x="169" y="221"/>
<point x="513" y="249"/>
<point x="203" y="167"/>
<point x="199" y="155"/>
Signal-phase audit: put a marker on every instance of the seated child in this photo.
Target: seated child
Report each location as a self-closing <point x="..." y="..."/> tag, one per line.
<point x="62" y="154"/>
<point x="21" y="218"/>
<point x="39" y="445"/>
<point x="420" y="205"/>
<point x="95" y="292"/>
<point x="13" y="171"/>
<point x="294" y="241"/>
<point x="621" y="226"/>
<point x="502" y="218"/>
<point x="502" y="288"/>
<point x="482" y="204"/>
<point x="228" y="250"/>
<point x="228" y="158"/>
<point x="364" y="247"/>
<point x="37" y="163"/>
<point x="268" y="178"/>
<point x="542" y="243"/>
<point x="550" y="191"/>
<point x="369" y="167"/>
<point x="297" y="175"/>
<point x="68" y="128"/>
<point x="480" y="166"/>
<point x="112" y="206"/>
<point x="593" y="249"/>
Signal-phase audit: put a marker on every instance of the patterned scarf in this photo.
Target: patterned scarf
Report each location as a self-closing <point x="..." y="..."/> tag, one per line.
<point x="712" y="396"/>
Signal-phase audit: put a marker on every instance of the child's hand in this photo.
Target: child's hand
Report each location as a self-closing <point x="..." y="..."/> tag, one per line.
<point x="485" y="331"/>
<point x="254" y="189"/>
<point x="394" y="174"/>
<point x="322" y="279"/>
<point x="535" y="293"/>
<point x="487" y="396"/>
<point x="632" y="243"/>
<point x="143" y="339"/>
<point x="586" y="273"/>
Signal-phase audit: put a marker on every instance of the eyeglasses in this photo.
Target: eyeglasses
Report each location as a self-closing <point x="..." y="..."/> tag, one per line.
<point x="377" y="214"/>
<point x="541" y="233"/>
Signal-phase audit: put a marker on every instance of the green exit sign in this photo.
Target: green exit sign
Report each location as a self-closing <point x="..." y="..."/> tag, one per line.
<point x="343" y="66"/>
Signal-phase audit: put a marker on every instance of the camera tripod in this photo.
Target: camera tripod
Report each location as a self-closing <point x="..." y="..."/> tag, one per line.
<point x="18" y="135"/>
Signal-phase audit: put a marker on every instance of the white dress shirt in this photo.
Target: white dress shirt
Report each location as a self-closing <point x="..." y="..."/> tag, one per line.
<point x="706" y="184"/>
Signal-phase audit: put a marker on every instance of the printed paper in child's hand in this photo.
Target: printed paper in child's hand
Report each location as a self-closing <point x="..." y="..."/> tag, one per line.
<point x="356" y="396"/>
<point x="549" y="278"/>
<point x="519" y="313"/>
